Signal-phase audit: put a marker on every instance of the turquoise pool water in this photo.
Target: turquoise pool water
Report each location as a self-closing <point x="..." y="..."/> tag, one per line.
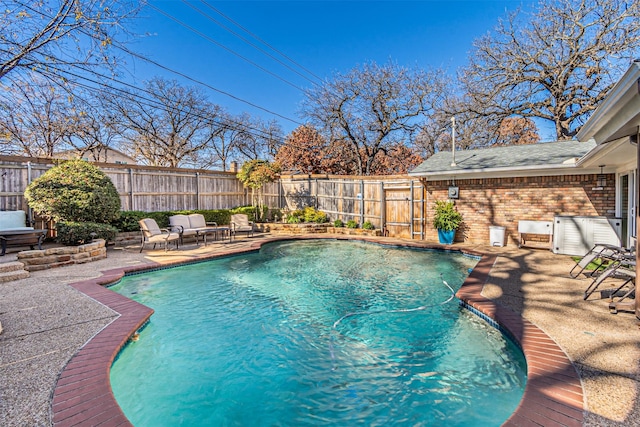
<point x="315" y="333"/>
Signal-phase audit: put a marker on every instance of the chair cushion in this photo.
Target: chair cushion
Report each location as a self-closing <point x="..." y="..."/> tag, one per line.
<point x="197" y="221"/>
<point x="12" y="219"/>
<point x="240" y="220"/>
<point x="150" y="226"/>
<point x="179" y="220"/>
<point x="158" y="238"/>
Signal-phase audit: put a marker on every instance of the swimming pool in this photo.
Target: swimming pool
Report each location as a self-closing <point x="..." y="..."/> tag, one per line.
<point x="315" y="333"/>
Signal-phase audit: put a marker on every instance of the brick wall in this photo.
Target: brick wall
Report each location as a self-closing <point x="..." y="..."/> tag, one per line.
<point x="505" y="201"/>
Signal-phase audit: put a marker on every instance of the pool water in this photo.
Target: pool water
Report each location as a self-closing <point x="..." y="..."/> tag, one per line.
<point x="315" y="333"/>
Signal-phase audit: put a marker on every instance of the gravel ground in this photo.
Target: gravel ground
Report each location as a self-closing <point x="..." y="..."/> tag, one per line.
<point x="45" y="322"/>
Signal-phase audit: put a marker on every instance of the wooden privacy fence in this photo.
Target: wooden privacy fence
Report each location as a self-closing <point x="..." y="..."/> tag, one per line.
<point x="395" y="204"/>
<point x="144" y="188"/>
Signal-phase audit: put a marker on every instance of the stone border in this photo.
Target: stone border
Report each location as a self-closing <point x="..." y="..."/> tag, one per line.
<point x="43" y="259"/>
<point x="553" y="394"/>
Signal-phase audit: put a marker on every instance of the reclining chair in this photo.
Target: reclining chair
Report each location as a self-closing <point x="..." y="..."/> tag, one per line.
<point x="600" y="254"/>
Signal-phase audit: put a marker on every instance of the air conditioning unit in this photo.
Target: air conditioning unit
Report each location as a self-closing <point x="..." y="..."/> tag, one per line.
<point x="576" y="235"/>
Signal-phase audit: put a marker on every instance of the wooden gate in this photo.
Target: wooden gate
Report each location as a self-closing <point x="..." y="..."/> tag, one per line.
<point x="397" y="204"/>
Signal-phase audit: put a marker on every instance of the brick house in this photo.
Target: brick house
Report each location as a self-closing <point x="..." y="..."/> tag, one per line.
<point x="592" y="177"/>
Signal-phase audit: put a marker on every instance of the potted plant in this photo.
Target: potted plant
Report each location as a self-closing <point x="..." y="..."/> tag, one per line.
<point x="446" y="220"/>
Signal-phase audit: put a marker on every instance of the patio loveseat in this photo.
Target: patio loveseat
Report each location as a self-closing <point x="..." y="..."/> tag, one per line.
<point x="14" y="231"/>
<point x="194" y="225"/>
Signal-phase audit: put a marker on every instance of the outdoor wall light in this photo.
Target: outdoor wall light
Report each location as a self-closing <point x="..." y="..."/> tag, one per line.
<point x="601" y="180"/>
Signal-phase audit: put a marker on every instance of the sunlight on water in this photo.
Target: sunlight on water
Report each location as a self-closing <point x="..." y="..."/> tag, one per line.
<point x="316" y="333"/>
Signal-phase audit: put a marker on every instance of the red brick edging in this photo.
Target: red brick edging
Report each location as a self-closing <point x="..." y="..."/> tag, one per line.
<point x="83" y="396"/>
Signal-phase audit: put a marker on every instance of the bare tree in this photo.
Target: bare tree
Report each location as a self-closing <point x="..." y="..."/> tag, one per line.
<point x="94" y="126"/>
<point x="259" y="139"/>
<point x="556" y="64"/>
<point x="37" y="36"/>
<point x="373" y="107"/>
<point x="166" y="125"/>
<point x="225" y="136"/>
<point x="36" y="118"/>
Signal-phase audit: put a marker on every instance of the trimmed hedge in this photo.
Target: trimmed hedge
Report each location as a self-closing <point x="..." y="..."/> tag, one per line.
<point x="79" y="233"/>
<point x="128" y="220"/>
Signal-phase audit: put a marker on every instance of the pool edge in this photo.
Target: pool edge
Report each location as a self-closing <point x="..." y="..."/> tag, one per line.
<point x="82" y="396"/>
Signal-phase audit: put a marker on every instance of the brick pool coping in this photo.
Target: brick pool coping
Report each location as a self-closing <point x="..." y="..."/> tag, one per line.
<point x="553" y="394"/>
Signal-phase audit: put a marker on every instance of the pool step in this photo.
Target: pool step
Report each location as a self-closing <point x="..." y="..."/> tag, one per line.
<point x="10" y="271"/>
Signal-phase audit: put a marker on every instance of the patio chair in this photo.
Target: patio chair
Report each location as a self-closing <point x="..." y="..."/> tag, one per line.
<point x="240" y="223"/>
<point x="622" y="268"/>
<point x="600" y="254"/>
<point x="151" y="233"/>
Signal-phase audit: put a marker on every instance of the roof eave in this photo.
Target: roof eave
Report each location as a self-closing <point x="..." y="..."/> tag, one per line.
<point x="537" y="170"/>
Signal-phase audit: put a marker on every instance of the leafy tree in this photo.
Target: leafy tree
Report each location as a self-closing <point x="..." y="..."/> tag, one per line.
<point x="396" y="160"/>
<point x="556" y="63"/>
<point x="517" y="131"/>
<point x="255" y="174"/>
<point x="304" y="150"/>
<point x="373" y="107"/>
<point x="74" y="191"/>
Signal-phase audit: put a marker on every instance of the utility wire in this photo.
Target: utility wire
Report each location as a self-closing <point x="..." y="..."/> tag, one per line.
<point x="155" y="104"/>
<point x="204" y="36"/>
<point x="209" y="17"/>
<point x="157" y="64"/>
<point x="261" y="41"/>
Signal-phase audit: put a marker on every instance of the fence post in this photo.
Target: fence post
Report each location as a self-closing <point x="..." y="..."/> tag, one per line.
<point x="197" y="190"/>
<point x="131" y="207"/>
<point x="383" y="209"/>
<point x="411" y="213"/>
<point x="361" y="201"/>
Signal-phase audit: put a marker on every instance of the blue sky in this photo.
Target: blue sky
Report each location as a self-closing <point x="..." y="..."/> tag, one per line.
<point x="324" y="37"/>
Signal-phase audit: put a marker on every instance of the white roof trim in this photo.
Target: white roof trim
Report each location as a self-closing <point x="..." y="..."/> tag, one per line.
<point x="615" y="101"/>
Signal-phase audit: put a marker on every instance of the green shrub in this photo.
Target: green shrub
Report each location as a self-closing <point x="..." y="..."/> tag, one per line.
<point x="293" y="219"/>
<point x="446" y="217"/>
<point x="128" y="220"/>
<point x="78" y="233"/>
<point x="338" y="223"/>
<point x="352" y="224"/>
<point x="74" y="191"/>
<point x="249" y="211"/>
<point x="368" y="226"/>
<point x="313" y="215"/>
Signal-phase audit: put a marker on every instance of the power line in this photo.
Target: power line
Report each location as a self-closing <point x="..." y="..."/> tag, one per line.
<point x="157" y="64"/>
<point x="209" y="17"/>
<point x="260" y="40"/>
<point x="204" y="36"/>
<point x="155" y="104"/>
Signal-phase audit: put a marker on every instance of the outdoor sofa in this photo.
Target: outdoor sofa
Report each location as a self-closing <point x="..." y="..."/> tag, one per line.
<point x="14" y="231"/>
